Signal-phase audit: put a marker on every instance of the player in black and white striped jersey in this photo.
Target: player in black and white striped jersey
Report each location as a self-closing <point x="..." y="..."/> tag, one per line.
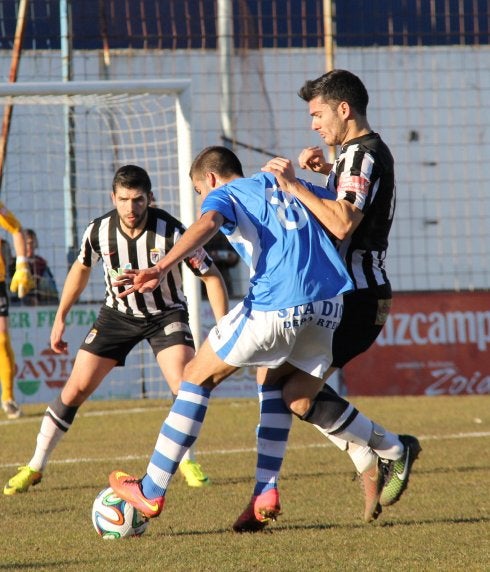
<point x="358" y="213"/>
<point x="133" y="235"/>
<point x="106" y="239"/>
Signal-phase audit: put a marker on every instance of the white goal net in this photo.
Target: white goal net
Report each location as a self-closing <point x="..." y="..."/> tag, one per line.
<point x="66" y="141"/>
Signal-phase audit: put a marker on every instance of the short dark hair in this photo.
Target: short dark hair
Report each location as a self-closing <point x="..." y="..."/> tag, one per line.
<point x="132" y="177"/>
<point x="216" y="159"/>
<point x="30" y="233"/>
<point x="336" y="86"/>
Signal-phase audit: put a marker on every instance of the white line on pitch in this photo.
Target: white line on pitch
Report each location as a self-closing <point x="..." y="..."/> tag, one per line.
<point x="469" y="435"/>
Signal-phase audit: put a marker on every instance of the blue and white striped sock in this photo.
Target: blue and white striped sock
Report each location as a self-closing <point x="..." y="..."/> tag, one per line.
<point x="272" y="437"/>
<point x="179" y="431"/>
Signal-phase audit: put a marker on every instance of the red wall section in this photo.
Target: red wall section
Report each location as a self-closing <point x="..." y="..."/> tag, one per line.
<point x="434" y="343"/>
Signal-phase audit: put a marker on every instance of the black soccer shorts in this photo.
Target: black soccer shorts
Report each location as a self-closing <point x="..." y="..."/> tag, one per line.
<point x="4" y="300"/>
<point x="115" y="334"/>
<point x="365" y="314"/>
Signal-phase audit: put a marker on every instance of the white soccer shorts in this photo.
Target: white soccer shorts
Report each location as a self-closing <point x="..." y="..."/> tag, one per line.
<point x="301" y="336"/>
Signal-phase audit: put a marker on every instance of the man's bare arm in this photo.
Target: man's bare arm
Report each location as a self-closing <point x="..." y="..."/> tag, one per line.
<point x="341" y="218"/>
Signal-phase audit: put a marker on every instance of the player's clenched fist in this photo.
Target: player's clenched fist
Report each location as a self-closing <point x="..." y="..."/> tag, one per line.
<point x="313" y="159"/>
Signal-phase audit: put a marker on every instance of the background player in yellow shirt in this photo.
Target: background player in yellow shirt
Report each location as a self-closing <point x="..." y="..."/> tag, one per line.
<point x="21" y="283"/>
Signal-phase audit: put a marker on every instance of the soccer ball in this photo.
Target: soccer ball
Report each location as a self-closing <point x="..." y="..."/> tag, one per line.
<point x="115" y="518"/>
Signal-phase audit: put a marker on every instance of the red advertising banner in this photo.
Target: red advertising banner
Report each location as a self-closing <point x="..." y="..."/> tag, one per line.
<point x="434" y="343"/>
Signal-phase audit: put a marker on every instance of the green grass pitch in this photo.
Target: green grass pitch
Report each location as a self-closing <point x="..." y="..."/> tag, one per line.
<point x="441" y="523"/>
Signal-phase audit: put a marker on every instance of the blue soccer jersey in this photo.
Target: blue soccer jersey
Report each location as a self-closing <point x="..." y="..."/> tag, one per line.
<point x="292" y="261"/>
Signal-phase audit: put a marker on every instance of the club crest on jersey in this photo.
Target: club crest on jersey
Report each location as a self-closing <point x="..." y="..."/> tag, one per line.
<point x="91" y="336"/>
<point x="155" y="255"/>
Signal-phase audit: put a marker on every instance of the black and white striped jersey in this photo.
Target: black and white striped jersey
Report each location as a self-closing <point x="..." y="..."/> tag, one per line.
<point x="363" y="174"/>
<point x="105" y="239"/>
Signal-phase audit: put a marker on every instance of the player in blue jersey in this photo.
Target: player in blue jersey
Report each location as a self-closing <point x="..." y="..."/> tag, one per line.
<point x="284" y="324"/>
<point x="358" y="213"/>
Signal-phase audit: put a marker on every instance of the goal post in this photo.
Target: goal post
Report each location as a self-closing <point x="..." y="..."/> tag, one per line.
<point x="146" y="122"/>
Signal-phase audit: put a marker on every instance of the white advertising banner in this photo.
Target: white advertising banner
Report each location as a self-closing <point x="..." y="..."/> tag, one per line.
<point x="40" y="373"/>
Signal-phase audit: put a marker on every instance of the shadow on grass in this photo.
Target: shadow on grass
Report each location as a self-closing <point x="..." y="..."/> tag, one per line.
<point x="446" y="470"/>
<point x="44" y="565"/>
<point x="461" y="520"/>
<point x="225" y="482"/>
<point x="326" y="526"/>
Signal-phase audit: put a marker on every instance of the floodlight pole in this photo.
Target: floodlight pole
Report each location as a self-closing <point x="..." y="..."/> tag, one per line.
<point x="225" y="50"/>
<point x="329" y="35"/>
<point x="70" y="177"/>
<point x="14" y="68"/>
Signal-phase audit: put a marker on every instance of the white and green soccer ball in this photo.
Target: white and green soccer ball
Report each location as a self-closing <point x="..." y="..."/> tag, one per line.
<point x="113" y="517"/>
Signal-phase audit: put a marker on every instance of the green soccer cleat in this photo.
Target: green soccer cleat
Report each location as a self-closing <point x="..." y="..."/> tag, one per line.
<point x="24" y="478"/>
<point x="397" y="472"/>
<point x="193" y="474"/>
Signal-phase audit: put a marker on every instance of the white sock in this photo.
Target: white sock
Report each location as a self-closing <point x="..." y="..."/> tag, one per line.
<point x="189" y="455"/>
<point x="47" y="439"/>
<point x="340" y="443"/>
<point x="364" y="458"/>
<point x="364" y="432"/>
